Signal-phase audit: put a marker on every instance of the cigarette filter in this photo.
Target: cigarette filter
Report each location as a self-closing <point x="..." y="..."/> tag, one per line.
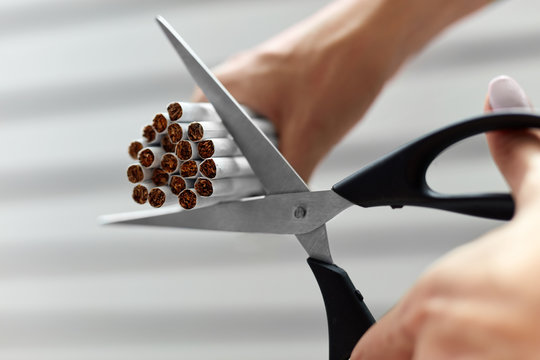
<point x="225" y="167"/>
<point x="189" y="169"/>
<point x="160" y="177"/>
<point x="170" y="163"/>
<point x="134" y="148"/>
<point x="236" y="188"/>
<point x="150" y="157"/>
<point x="136" y="173"/>
<point x="140" y="194"/>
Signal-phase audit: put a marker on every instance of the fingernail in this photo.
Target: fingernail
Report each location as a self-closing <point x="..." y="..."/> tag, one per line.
<point x="505" y="93"/>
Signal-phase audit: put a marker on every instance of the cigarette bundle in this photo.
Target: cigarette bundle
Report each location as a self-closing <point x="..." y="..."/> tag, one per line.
<point x="187" y="157"/>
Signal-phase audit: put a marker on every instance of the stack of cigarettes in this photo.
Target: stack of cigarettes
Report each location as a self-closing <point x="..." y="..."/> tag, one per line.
<point x="186" y="156"/>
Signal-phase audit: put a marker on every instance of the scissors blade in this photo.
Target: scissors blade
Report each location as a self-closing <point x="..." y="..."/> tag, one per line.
<point x="273" y="214"/>
<point x="274" y="172"/>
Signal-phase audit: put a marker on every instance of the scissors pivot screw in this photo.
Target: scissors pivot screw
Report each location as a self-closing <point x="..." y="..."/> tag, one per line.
<point x="300" y="212"/>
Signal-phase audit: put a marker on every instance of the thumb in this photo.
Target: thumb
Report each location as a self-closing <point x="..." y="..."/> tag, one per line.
<point x="516" y="152"/>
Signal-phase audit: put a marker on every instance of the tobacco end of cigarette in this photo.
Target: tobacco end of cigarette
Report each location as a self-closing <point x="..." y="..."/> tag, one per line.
<point x="135" y="173"/>
<point x="146" y="157"/>
<point x="183" y="150"/>
<point x="134" y="149"/>
<point x="149" y="133"/>
<point x="208" y="168"/>
<point x="140" y="194"/>
<point x="206" y="148"/>
<point x="160" y="177"/>
<point x="195" y="131"/>
<point x="175" y="132"/>
<point x="204" y="187"/>
<point x="177" y="184"/>
<point x="159" y="123"/>
<point x="188" y="168"/>
<point x="175" y="111"/>
<point x="156" y="198"/>
<point x="187" y="199"/>
<point x="169" y="163"/>
<point x="167" y="144"/>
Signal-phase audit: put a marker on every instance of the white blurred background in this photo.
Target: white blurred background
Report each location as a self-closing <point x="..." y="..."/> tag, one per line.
<point x="77" y="81"/>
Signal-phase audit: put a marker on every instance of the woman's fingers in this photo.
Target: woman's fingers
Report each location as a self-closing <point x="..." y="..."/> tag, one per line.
<point x="516" y="152"/>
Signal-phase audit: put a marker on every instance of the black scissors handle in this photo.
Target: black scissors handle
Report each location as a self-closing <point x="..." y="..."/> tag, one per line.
<point x="399" y="178"/>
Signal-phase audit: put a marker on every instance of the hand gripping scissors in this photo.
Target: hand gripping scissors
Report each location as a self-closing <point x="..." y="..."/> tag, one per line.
<point x="289" y="207"/>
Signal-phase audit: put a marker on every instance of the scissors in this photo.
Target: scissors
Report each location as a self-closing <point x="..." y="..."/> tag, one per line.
<point x="289" y="207"/>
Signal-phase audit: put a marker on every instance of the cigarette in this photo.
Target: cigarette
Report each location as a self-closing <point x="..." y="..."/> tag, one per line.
<point x="189" y="169"/>
<point x="134" y="148"/>
<point x="188" y="112"/>
<point x="149" y="134"/>
<point x="170" y="163"/>
<point x="140" y="194"/>
<point x="160" y="177"/>
<point x="160" y="123"/>
<point x="177" y="132"/>
<point x="136" y="173"/>
<point x="167" y="144"/>
<point x="225" y="167"/>
<point x="187" y="150"/>
<point x="150" y="157"/>
<point x="202" y="130"/>
<point x="188" y="199"/>
<point x="234" y="187"/>
<point x="159" y="196"/>
<point x="218" y="147"/>
<point x="179" y="184"/>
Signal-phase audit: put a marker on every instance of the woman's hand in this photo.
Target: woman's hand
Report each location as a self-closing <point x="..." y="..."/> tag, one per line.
<point x="316" y="80"/>
<point x="482" y="300"/>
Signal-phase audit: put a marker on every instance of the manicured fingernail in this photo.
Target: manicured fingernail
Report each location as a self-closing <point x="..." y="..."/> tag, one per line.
<point x="505" y="93"/>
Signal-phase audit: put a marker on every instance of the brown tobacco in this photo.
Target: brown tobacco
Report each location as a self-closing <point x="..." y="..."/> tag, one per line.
<point x="195" y="131"/>
<point x="204" y="187"/>
<point x="160" y="123"/>
<point x="135" y="173"/>
<point x="177" y="184"/>
<point x="134" y="149"/>
<point x="140" y="194"/>
<point x="149" y="133"/>
<point x="188" y="168"/>
<point x="175" y="111"/>
<point x="169" y="163"/>
<point x="206" y="148"/>
<point x="187" y="199"/>
<point x="175" y="132"/>
<point x="156" y="198"/>
<point x="146" y="157"/>
<point x="208" y="168"/>
<point x="183" y="150"/>
<point x="167" y="144"/>
<point x="160" y="177"/>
